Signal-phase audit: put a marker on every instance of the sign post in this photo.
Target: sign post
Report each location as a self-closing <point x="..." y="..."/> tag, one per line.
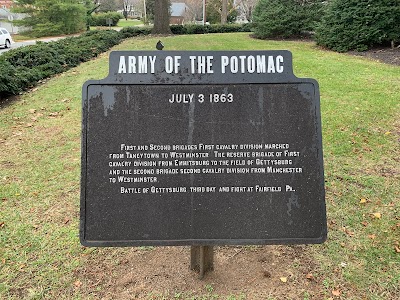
<point x="202" y="149"/>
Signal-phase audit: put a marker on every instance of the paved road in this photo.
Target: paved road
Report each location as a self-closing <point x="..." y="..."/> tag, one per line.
<point x="17" y="45"/>
<point x="30" y="42"/>
<point x="33" y="42"/>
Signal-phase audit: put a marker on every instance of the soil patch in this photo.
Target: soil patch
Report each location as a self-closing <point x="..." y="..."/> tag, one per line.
<point x="386" y="55"/>
<point x="249" y="272"/>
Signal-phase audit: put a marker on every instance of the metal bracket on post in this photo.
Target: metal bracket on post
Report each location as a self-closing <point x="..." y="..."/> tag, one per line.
<point x="202" y="259"/>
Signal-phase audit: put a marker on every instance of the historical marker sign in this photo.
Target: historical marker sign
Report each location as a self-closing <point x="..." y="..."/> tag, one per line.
<point x="201" y="148"/>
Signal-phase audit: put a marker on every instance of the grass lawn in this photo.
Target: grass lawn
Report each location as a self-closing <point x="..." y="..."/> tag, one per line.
<point x="40" y="253"/>
<point x="129" y="22"/>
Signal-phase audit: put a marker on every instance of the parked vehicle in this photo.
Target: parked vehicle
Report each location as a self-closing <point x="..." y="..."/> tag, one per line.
<point x="5" y="38"/>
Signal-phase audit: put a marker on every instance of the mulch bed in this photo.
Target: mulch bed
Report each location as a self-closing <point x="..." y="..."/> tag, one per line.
<point x="386" y="55"/>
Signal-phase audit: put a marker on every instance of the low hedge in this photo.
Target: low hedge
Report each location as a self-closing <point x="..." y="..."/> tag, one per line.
<point x="128" y="32"/>
<point x="23" y="67"/>
<point x="100" y="19"/>
<point x="214" y="28"/>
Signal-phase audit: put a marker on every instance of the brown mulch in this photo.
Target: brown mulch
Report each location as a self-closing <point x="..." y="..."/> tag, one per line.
<point x="386" y="55"/>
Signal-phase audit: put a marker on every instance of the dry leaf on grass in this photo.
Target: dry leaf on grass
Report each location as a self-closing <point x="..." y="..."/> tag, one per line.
<point x="377" y="215"/>
<point x="348" y="232"/>
<point x="283" y="279"/>
<point x="363" y="200"/>
<point x="336" y="293"/>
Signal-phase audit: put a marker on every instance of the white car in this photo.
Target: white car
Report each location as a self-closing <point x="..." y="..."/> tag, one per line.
<point x="5" y="38"/>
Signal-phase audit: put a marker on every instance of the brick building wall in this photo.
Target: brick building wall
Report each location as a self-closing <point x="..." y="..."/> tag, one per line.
<point x="6" y="3"/>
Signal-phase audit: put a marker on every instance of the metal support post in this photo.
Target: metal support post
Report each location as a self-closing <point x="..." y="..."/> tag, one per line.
<point x="202" y="259"/>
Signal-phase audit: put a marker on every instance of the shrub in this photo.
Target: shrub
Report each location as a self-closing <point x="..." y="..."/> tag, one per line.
<point x="51" y="17"/>
<point x="214" y="28"/>
<point x="100" y="19"/>
<point x="23" y="67"/>
<point x="359" y="24"/>
<point x="128" y="32"/>
<point x="285" y="18"/>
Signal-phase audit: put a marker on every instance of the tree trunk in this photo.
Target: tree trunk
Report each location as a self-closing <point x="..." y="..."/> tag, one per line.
<point x="224" y="12"/>
<point x="161" y="17"/>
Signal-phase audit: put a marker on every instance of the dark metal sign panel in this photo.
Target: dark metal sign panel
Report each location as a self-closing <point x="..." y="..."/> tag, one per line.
<point x="201" y="148"/>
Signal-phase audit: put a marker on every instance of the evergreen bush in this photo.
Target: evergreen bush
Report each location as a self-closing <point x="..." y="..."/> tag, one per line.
<point x="46" y="18"/>
<point x="213" y="28"/>
<point x="285" y="18"/>
<point x="100" y="19"/>
<point x="128" y="32"/>
<point x="359" y="24"/>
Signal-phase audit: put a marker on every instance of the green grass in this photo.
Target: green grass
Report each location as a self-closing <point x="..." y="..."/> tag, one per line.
<point x="129" y="22"/>
<point x="40" y="171"/>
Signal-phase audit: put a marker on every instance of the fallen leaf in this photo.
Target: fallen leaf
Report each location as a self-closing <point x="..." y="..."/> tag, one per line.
<point x="32" y="111"/>
<point x="78" y="283"/>
<point x="363" y="200"/>
<point x="348" y="232"/>
<point x="364" y="223"/>
<point x="310" y="276"/>
<point x="372" y="236"/>
<point x="397" y="249"/>
<point x="336" y="293"/>
<point x="29" y="125"/>
<point x="377" y="215"/>
<point x="2" y="224"/>
<point x="283" y="279"/>
<point x="387" y="132"/>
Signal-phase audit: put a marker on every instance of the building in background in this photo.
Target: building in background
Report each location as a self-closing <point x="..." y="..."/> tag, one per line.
<point x="6" y="4"/>
<point x="180" y="14"/>
<point x="7" y="18"/>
